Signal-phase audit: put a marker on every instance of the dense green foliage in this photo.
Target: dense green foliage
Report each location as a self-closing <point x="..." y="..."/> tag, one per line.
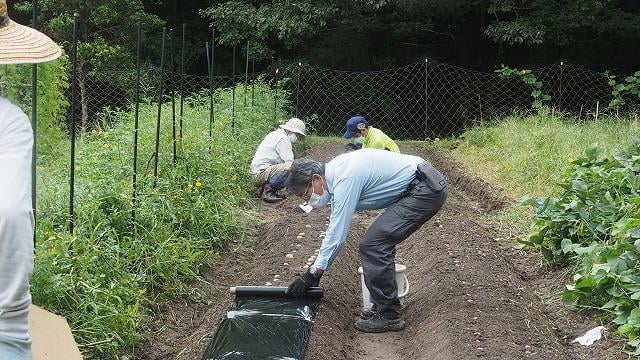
<point x="106" y="29"/>
<point x="104" y="275"/>
<point x="15" y="84"/>
<point x="528" y="79"/>
<point x="595" y="223"/>
<point x="623" y="89"/>
<point x="346" y="34"/>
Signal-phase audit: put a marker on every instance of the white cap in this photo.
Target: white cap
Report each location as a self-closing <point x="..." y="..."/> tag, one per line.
<point x="294" y="125"/>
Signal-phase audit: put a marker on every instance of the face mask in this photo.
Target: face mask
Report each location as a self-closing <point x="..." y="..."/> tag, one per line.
<point x="292" y="137"/>
<point x="318" y="201"/>
<point x="358" y="140"/>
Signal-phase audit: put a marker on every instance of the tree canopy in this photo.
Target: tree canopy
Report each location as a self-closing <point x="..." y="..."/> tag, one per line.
<point x="360" y="34"/>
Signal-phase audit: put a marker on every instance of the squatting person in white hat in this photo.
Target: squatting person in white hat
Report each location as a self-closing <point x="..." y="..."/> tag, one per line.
<point x="274" y="157"/>
<point x="18" y="45"/>
<point x="410" y="189"/>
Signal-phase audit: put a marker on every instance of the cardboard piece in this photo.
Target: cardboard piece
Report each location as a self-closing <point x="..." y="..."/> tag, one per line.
<point x="51" y="336"/>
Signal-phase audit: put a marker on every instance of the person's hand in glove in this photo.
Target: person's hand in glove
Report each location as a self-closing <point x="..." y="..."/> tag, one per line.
<point x="305" y="281"/>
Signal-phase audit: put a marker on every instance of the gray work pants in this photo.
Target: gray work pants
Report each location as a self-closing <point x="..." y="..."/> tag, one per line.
<point x="378" y="246"/>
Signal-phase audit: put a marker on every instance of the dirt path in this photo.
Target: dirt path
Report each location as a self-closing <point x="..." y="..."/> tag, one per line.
<point x="470" y="295"/>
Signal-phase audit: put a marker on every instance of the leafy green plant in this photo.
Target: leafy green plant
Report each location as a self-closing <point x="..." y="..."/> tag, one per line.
<point x="530" y="80"/>
<point x="621" y="89"/>
<point x="595" y="224"/>
<point x="15" y="84"/>
<point x="105" y="275"/>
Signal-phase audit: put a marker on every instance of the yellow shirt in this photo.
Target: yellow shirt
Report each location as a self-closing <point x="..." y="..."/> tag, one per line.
<point x="376" y="139"/>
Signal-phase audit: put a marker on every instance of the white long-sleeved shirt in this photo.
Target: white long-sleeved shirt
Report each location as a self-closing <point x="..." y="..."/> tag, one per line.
<point x="16" y="221"/>
<point x="274" y="149"/>
<point x="361" y="180"/>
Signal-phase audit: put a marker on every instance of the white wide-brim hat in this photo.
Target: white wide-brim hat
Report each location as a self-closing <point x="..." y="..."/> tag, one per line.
<point x="23" y="45"/>
<point x="295" y="125"/>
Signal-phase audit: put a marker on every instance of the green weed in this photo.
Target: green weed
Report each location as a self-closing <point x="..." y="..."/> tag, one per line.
<point x="104" y="275"/>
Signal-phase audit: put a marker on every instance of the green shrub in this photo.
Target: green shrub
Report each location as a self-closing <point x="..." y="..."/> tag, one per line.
<point x="15" y="84"/>
<point x="595" y="223"/>
<point x="104" y="275"/>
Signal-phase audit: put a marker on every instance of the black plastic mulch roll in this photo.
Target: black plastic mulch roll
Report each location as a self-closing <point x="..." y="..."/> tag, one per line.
<point x="264" y="327"/>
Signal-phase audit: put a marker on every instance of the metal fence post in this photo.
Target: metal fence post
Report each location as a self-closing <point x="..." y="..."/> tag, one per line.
<point x="560" y="81"/>
<point x="136" y="116"/>
<point x="74" y="75"/>
<point x="426" y="99"/>
<point x="253" y="78"/>
<point x="275" y="96"/>
<point x="173" y="96"/>
<point x="210" y="93"/>
<point x="298" y="87"/>
<point x="246" y="75"/>
<point x="157" y="149"/>
<point x="233" y="91"/>
<point x="182" y="56"/>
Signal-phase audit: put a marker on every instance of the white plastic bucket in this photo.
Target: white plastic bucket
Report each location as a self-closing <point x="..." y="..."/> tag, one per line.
<point x="401" y="280"/>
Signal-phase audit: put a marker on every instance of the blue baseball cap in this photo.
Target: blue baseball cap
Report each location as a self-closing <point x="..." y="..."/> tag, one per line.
<point x="353" y="125"/>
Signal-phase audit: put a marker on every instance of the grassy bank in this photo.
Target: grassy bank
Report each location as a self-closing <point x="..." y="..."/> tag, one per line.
<point x="103" y="276"/>
<point x="526" y="155"/>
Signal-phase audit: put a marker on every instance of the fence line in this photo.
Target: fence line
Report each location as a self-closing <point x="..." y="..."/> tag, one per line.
<point x="417" y="101"/>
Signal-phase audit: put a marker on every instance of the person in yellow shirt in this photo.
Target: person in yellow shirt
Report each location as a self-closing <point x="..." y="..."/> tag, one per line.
<point x="360" y="133"/>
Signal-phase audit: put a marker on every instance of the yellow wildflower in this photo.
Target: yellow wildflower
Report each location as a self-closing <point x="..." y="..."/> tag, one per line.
<point x="199" y="184"/>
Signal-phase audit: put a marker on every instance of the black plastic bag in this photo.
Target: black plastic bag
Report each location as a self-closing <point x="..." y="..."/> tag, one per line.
<point x="264" y="327"/>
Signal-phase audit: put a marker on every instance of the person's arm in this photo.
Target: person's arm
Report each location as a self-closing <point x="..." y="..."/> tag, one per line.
<point x="16" y="142"/>
<point x="16" y="217"/>
<point x="346" y="194"/>
<point x="391" y="145"/>
<point x="285" y="150"/>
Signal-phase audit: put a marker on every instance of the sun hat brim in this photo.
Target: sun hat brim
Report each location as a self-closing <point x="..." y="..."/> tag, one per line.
<point x="292" y="129"/>
<point x="23" y="45"/>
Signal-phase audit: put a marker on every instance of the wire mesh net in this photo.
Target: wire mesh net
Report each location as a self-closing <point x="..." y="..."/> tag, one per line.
<point x="418" y="101"/>
<point x="433" y="99"/>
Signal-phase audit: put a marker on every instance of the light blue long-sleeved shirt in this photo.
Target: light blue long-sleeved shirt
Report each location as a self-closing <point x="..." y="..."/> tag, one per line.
<point x="361" y="180"/>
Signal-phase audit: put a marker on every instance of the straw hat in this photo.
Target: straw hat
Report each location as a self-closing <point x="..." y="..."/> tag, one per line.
<point x="295" y="125"/>
<point x="23" y="45"/>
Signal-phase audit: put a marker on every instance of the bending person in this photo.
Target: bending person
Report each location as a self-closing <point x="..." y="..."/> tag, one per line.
<point x="411" y="190"/>
<point x="368" y="137"/>
<point x="274" y="157"/>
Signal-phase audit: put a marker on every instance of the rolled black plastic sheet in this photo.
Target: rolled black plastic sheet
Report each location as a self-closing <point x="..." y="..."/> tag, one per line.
<point x="263" y="324"/>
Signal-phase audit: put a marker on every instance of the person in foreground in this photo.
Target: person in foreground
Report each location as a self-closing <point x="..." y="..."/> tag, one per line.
<point x="18" y="45"/>
<point x="411" y="190"/>
<point x="274" y="156"/>
<point x="367" y="137"/>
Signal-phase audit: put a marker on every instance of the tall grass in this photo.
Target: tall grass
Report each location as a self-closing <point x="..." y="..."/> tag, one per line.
<point x="102" y="277"/>
<point x="526" y="155"/>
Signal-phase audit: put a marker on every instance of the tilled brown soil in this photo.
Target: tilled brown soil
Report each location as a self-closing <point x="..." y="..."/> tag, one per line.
<point x="471" y="295"/>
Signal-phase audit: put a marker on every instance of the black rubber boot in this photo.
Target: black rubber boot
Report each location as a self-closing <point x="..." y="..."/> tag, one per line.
<point x="268" y="195"/>
<point x="377" y="323"/>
